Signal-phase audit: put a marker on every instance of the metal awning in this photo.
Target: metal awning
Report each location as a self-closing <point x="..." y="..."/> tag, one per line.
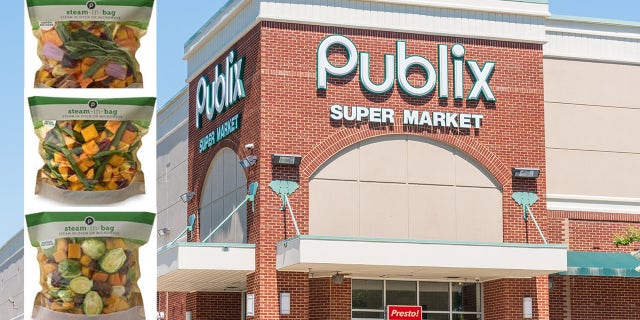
<point x="604" y="264"/>
<point x="419" y="259"/>
<point x="196" y="266"/>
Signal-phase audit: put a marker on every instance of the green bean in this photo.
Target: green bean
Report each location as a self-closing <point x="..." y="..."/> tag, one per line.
<point x="72" y="162"/>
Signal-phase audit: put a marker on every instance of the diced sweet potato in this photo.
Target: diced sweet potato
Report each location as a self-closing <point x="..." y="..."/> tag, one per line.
<point x="50" y="267"/>
<point x="129" y="137"/>
<point x="100" y="277"/>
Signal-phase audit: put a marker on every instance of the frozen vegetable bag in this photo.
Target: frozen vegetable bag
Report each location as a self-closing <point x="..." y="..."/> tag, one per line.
<point x="89" y="264"/>
<point x="89" y="147"/>
<point x="89" y="44"/>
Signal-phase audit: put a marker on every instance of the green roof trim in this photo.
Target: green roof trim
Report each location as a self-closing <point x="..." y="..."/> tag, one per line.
<point x="601" y="264"/>
<point x="442" y="242"/>
<point x="624" y="23"/>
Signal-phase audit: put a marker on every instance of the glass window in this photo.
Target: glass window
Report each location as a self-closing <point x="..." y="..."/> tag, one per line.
<point x="367" y="294"/>
<point x="435" y="316"/>
<point x="434" y="296"/>
<point x="368" y="315"/>
<point x="465" y="297"/>
<point x="401" y="293"/>
<point x="439" y="300"/>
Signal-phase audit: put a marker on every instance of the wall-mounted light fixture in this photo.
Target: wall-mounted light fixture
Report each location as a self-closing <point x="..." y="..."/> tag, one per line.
<point x="286" y="159"/>
<point x="527" y="307"/>
<point x="337" y="278"/>
<point x="528" y="173"/>
<point x="187" y="196"/>
<point x="161" y="315"/>
<point x="285" y="303"/>
<point x="248" y="161"/>
<point x="163" y="231"/>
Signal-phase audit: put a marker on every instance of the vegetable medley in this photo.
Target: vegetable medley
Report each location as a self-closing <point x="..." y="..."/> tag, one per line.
<point x="89" y="276"/>
<point x="88" y="54"/>
<point x="91" y="155"/>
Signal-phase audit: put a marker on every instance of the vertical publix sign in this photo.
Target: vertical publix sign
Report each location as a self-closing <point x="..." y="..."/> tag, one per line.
<point x="214" y="96"/>
<point x="396" y="70"/>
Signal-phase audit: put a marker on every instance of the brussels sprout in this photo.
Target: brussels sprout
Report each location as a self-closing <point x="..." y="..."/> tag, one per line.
<point x="70" y="268"/>
<point x="94" y="248"/>
<point x="66" y="295"/>
<point x="113" y="260"/>
<point x="81" y="285"/>
<point x="92" y="303"/>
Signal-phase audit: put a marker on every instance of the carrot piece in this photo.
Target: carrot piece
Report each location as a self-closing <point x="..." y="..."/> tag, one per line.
<point x="115" y="280"/>
<point x="74" y="251"/>
<point x="129" y="137"/>
<point x="100" y="277"/>
<point x="112" y="126"/>
<point x="85" y="82"/>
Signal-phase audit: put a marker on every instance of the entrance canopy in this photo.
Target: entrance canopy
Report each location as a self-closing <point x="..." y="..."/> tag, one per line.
<point x="607" y="264"/>
<point x="394" y="258"/>
<point x="195" y="266"/>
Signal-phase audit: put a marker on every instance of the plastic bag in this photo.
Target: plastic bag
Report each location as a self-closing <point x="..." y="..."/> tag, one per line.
<point x="89" y="44"/>
<point x="89" y="147"/>
<point x="89" y="264"/>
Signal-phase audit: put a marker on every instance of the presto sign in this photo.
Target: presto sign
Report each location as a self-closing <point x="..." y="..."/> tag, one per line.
<point x="404" y="312"/>
<point x="396" y="69"/>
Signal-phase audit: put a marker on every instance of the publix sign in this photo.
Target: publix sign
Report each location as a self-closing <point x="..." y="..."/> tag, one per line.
<point x="215" y="96"/>
<point x="224" y="90"/>
<point x="396" y="67"/>
<point x="396" y="70"/>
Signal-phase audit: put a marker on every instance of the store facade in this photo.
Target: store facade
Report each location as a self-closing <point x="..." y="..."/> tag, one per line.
<point x="341" y="158"/>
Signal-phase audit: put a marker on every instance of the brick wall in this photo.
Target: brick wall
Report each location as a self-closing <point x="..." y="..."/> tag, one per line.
<point x="328" y="300"/>
<point x="595" y="298"/>
<point x="591" y="231"/>
<point x="284" y="113"/>
<point x="203" y="305"/>
<point x="504" y="298"/>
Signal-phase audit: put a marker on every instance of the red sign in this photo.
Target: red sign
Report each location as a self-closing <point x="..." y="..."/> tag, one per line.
<point x="404" y="312"/>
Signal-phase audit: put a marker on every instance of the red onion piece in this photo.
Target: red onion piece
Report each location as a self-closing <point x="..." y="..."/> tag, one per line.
<point x="51" y="51"/>
<point x="115" y="70"/>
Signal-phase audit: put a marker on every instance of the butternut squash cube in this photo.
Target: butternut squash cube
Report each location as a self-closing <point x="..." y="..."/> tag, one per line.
<point x="116" y="160"/>
<point x="90" y="148"/>
<point x="112" y="126"/>
<point x="89" y="133"/>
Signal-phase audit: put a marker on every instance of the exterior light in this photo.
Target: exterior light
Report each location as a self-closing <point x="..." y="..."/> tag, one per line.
<point x="286" y="159"/>
<point x="161" y="315"/>
<point x="248" y="161"/>
<point x="187" y="196"/>
<point x="528" y="173"/>
<point x="285" y="303"/>
<point x="163" y="231"/>
<point x="337" y="278"/>
<point x="527" y="308"/>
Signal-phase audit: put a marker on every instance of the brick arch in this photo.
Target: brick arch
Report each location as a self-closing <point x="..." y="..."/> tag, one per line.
<point x="337" y="142"/>
<point x="198" y="176"/>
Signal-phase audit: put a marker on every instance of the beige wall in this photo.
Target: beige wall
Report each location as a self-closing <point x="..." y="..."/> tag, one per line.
<point x="405" y="187"/>
<point x="591" y="118"/>
<point x="224" y="188"/>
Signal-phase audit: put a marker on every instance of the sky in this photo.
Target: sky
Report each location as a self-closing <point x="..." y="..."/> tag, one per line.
<point x="176" y="23"/>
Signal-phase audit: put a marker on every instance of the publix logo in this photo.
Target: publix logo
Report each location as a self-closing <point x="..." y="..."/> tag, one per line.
<point x="224" y="90"/>
<point x="396" y="68"/>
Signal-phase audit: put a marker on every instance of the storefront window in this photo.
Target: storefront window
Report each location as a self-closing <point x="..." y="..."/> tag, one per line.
<point x="439" y="300"/>
<point x="401" y="293"/>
